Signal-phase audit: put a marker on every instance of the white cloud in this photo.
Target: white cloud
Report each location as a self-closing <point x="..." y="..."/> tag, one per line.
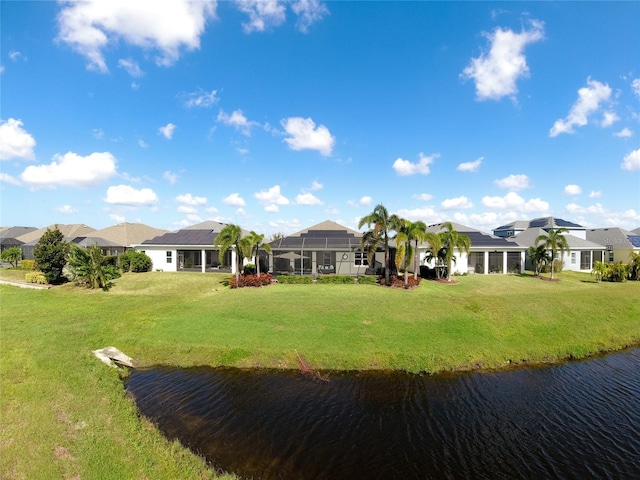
<point x="624" y="133"/>
<point x="98" y="133"/>
<point x="186" y="209"/>
<point x="631" y="161"/>
<point x="235" y="200"/>
<point x="199" y="98"/>
<point x="635" y="86"/>
<point x="595" y="209"/>
<point x="6" y="178"/>
<point x="131" y="67"/>
<point x="127" y="195"/>
<point x="188" y="199"/>
<point x="363" y="202"/>
<point x="71" y="170"/>
<point x="426" y="214"/>
<point x="422" y="196"/>
<point x="272" y="208"/>
<point x="211" y="210"/>
<point x="513" y="182"/>
<point x="14" y="55"/>
<point x="495" y="74"/>
<point x="167" y="131"/>
<point x="595" y="194"/>
<point x="304" y="135"/>
<point x="513" y="201"/>
<point x="470" y="166"/>
<point x="15" y="141"/>
<point x="90" y="26"/>
<point x="67" y="210"/>
<point x="609" y="118"/>
<point x="572" y="190"/>
<point x="238" y="121"/>
<point x="315" y="185"/>
<point x="405" y="167"/>
<point x="117" y="218"/>
<point x="142" y="143"/>
<point x="271" y="196"/>
<point x="263" y="14"/>
<point x="308" y="198"/>
<point x="455" y="203"/>
<point x="309" y="12"/>
<point x="589" y="100"/>
<point x="170" y="177"/>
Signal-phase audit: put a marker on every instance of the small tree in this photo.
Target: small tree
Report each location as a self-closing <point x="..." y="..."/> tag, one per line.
<point x="453" y="240"/>
<point x="634" y="266"/>
<point x="252" y="244"/>
<point x="50" y="255"/>
<point x="540" y="257"/>
<point x="135" y="261"/>
<point x="90" y="267"/>
<point x="554" y="241"/>
<point x="12" y="255"/>
<point x="599" y="270"/>
<point x="231" y="236"/>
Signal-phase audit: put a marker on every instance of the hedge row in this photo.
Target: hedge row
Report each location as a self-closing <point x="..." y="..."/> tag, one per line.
<point x="250" y="281"/>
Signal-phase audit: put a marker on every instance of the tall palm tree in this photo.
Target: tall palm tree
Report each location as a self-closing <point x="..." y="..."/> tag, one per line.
<point x="453" y="240"/>
<point x="381" y="224"/>
<point x="404" y="249"/>
<point x="418" y="233"/>
<point x="436" y="252"/>
<point x="231" y="237"/>
<point x="554" y="241"/>
<point x="539" y="256"/>
<point x="252" y="244"/>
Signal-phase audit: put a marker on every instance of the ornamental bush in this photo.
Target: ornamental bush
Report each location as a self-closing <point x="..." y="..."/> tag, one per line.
<point x="135" y="261"/>
<point x="336" y="279"/>
<point x="250" y="281"/>
<point x="367" y="280"/>
<point x="35" y="277"/>
<point x="28" y="265"/>
<point x="294" y="279"/>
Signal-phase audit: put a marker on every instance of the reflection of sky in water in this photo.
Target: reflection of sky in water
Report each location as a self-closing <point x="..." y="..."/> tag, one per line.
<point x="578" y="420"/>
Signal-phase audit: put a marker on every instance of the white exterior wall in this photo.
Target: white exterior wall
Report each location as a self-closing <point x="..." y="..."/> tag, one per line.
<point x="158" y="256"/>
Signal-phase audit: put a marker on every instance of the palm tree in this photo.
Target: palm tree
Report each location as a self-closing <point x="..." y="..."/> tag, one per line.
<point x="252" y="244"/>
<point x="452" y="240"/>
<point x="409" y="235"/>
<point x="554" y="241"/>
<point x="599" y="270"/>
<point x="87" y="265"/>
<point x="539" y="256"/>
<point x="381" y="224"/>
<point x="231" y="237"/>
<point x="418" y="233"/>
<point x="436" y="252"/>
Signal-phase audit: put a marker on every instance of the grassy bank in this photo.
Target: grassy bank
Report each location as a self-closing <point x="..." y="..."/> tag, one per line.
<point x="65" y="415"/>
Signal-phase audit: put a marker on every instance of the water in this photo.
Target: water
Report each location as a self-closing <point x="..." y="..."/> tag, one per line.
<point x="577" y="420"/>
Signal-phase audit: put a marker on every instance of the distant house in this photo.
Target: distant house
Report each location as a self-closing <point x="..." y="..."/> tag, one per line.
<point x="125" y="235"/>
<point x="9" y="236"/>
<point x="68" y="231"/>
<point x="322" y="249"/>
<point x="582" y="253"/>
<point x="189" y="249"/>
<point x="617" y="242"/>
<point x="488" y="253"/>
<point x="106" y="247"/>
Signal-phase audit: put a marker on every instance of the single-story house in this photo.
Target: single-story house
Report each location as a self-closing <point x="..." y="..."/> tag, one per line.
<point x="189" y="249"/>
<point x="124" y="235"/>
<point x="617" y="242"/>
<point x="68" y="231"/>
<point x="488" y="253"/>
<point x="325" y="248"/>
<point x="9" y="236"/>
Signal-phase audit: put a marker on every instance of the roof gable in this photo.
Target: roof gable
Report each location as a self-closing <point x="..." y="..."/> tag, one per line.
<point x="127" y="234"/>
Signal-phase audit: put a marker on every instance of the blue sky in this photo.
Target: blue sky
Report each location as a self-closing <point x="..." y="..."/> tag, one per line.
<point x="277" y="115"/>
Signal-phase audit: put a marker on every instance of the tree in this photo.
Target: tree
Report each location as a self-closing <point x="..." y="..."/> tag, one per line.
<point x="12" y="255"/>
<point x="407" y="239"/>
<point x="436" y="252"/>
<point x="50" y="255"/>
<point x="554" y="241"/>
<point x="540" y="257"/>
<point x="231" y="237"/>
<point x="89" y="267"/>
<point x="252" y="244"/>
<point x="135" y="261"/>
<point x="453" y="240"/>
<point x="634" y="265"/>
<point x="599" y="270"/>
<point x="380" y="225"/>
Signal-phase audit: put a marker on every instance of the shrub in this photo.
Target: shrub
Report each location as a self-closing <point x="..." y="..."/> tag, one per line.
<point x="294" y="279"/>
<point x="557" y="267"/>
<point x="367" y="280"/>
<point x="336" y="279"/>
<point x="617" y="272"/>
<point x="398" y="281"/>
<point x="50" y="255"/>
<point x="35" y="277"/>
<point x="135" y="261"/>
<point x="28" y="265"/>
<point x="250" y="281"/>
<point x="249" y="269"/>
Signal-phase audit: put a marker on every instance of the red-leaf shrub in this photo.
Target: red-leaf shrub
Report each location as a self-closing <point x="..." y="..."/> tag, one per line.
<point x="250" y="281"/>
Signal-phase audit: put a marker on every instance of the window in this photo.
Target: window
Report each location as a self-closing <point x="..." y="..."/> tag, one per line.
<point x="169" y="259"/>
<point x="573" y="258"/>
<point x="611" y="256"/>
<point x="361" y="259"/>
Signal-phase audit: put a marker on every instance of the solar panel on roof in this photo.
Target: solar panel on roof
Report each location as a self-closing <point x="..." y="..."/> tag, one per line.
<point x="541" y="222"/>
<point x="564" y="223"/>
<point x="634" y="239"/>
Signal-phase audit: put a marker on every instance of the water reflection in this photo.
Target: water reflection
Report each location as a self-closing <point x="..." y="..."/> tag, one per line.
<point x="578" y="420"/>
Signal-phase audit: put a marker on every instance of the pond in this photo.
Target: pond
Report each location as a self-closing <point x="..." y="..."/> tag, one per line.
<point x="574" y="420"/>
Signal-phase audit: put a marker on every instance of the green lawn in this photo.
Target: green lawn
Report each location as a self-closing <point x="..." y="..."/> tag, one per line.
<point x="65" y="414"/>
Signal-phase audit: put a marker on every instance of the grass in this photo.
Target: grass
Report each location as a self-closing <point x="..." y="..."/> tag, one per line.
<point x="65" y="414"/>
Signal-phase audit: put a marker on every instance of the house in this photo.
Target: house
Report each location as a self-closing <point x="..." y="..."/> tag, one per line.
<point x="325" y="248"/>
<point x="488" y="253"/>
<point x="189" y="249"/>
<point x="71" y="231"/>
<point x="9" y="236"/>
<point x="582" y="253"/>
<point x="123" y="235"/>
<point x="106" y="247"/>
<point x="617" y="242"/>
